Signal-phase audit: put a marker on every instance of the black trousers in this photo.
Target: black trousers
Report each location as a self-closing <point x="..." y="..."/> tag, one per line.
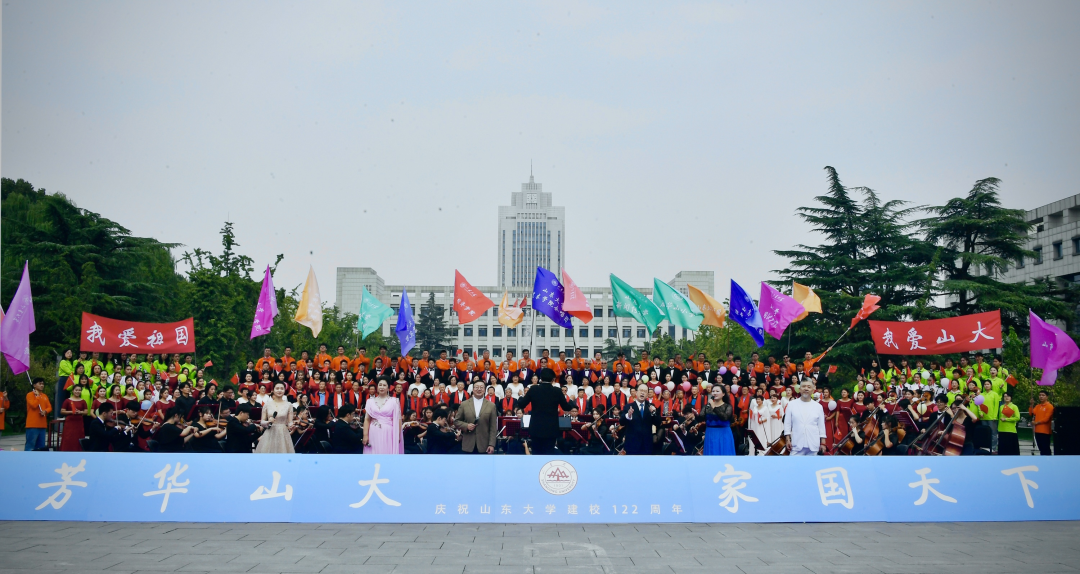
<point x="543" y="445"/>
<point x="1008" y="444"/>
<point x="1043" y="442"/>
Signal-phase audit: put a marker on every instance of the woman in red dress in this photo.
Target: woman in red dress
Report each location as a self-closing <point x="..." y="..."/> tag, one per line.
<point x="116" y="398"/>
<point x="73" y="411"/>
<point x="860" y="404"/>
<point x="844" y="410"/>
<point x="830" y="417"/>
<point x="99" y="398"/>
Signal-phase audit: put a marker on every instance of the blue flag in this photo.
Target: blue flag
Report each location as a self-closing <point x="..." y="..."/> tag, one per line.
<point x="406" y="328"/>
<point x="745" y="313"/>
<point x="548" y="295"/>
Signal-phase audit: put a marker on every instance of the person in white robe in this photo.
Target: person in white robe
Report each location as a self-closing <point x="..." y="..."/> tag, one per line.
<point x="804" y="422"/>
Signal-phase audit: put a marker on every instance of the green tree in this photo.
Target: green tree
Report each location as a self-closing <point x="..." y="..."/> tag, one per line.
<point x="432" y="333"/>
<point x="871" y="246"/>
<point x="978" y="239"/>
<point x="80" y="262"/>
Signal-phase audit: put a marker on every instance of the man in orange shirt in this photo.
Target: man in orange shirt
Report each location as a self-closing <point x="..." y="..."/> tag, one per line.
<point x="527" y="362"/>
<point x="699" y="364"/>
<point x="322" y="356"/>
<point x="510" y="366"/>
<point x="577" y="367"/>
<point x="485" y="363"/>
<point x="386" y="361"/>
<point x="335" y="363"/>
<point x="287" y="360"/>
<point x="266" y="359"/>
<point x="360" y="363"/>
<point x="644" y="363"/>
<point x="304" y="364"/>
<point x="442" y="368"/>
<point x="425" y="359"/>
<point x="627" y="368"/>
<point x="38" y="408"/>
<point x="1041" y="414"/>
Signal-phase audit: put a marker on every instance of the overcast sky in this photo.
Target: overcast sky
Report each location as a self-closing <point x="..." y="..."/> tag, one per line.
<point x="679" y="136"/>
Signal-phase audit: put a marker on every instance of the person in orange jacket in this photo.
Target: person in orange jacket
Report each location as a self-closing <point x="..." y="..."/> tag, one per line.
<point x="38" y="408"/>
<point x="1041" y="414"/>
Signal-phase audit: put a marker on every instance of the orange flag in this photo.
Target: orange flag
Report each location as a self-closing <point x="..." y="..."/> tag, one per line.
<point x="469" y="302"/>
<point x="807" y="298"/>
<point x="711" y="308"/>
<point x="574" y="302"/>
<point x="869" y="305"/>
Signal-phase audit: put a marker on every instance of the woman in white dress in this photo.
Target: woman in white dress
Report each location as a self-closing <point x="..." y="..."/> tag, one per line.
<point x="775" y="425"/>
<point x="757" y="419"/>
<point x="277" y="413"/>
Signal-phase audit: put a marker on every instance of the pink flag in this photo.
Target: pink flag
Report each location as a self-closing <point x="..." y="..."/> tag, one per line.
<point x="267" y="309"/>
<point x="777" y="310"/>
<point x="574" y="302"/>
<point x="1051" y="349"/>
<point x="17" y="326"/>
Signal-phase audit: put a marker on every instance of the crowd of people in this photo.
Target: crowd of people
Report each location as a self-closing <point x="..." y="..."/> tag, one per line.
<point x="459" y="403"/>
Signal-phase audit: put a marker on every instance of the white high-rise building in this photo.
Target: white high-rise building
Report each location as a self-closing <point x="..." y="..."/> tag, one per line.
<point x="532" y="234"/>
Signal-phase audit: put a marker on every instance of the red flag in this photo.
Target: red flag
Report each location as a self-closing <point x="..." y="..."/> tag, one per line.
<point x="1012" y="381"/>
<point x="208" y="364"/>
<point x="469" y="302"/>
<point x="869" y="305"/>
<point x="832" y="369"/>
<point x="459" y="351"/>
<point x="524" y="302"/>
<point x="235" y="379"/>
<point x="574" y="302"/>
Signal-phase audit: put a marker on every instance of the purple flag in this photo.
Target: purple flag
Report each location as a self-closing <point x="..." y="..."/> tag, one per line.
<point x="17" y="326"/>
<point x="267" y="309"/>
<point x="1051" y="349"/>
<point x="777" y="310"/>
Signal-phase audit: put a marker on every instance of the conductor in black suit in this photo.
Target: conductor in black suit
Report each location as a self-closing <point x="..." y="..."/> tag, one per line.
<point x="638" y="419"/>
<point x="345" y="439"/>
<point x="544" y="422"/>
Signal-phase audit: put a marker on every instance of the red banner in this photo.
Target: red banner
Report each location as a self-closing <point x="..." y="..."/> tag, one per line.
<point x="938" y="336"/>
<point x="115" y="336"/>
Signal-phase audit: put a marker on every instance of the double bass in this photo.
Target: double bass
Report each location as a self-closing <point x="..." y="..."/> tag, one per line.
<point x="868" y="429"/>
<point x="950" y="440"/>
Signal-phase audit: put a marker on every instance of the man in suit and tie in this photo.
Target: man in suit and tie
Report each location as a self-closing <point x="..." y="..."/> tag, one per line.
<point x="707" y="373"/>
<point x="478" y="421"/>
<point x="638" y="419"/>
<point x="544" y="422"/>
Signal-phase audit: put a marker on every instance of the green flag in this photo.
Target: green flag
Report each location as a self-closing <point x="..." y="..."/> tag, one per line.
<point x="629" y="302"/>
<point x="678" y="309"/>
<point x="373" y="313"/>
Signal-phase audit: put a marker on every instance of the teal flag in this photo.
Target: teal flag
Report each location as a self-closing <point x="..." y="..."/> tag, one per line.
<point x="373" y="313"/>
<point x="629" y="302"/>
<point x="678" y="309"/>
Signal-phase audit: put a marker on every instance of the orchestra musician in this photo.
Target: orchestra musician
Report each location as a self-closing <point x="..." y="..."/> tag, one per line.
<point x="240" y="435"/>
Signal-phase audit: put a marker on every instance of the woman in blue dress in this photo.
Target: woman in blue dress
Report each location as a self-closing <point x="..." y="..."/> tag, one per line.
<point x="718" y="415"/>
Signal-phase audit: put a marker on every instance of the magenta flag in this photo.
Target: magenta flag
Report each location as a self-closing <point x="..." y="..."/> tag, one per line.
<point x="267" y="308"/>
<point x="1051" y="349"/>
<point x="17" y="326"/>
<point x="777" y="310"/>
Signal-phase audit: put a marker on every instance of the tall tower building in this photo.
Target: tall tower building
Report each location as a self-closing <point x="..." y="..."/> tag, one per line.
<point x="531" y="234"/>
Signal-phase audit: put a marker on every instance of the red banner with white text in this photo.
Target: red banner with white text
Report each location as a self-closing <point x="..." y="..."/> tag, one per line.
<point x="115" y="336"/>
<point x="938" y="336"/>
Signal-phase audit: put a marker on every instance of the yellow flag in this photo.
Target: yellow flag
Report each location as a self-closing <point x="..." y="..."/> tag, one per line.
<point x="713" y="310"/>
<point x="509" y="316"/>
<point x="807" y="298"/>
<point x="309" y="311"/>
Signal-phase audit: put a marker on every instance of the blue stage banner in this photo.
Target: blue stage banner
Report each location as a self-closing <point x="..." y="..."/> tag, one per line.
<point x="609" y="489"/>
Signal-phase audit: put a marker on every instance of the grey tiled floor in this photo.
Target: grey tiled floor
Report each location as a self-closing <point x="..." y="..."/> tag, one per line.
<point x="1022" y="547"/>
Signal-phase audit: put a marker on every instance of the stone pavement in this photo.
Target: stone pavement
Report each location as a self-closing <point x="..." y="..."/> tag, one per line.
<point x="938" y="548"/>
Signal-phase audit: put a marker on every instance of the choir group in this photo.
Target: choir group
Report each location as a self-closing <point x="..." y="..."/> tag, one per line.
<point x="382" y="404"/>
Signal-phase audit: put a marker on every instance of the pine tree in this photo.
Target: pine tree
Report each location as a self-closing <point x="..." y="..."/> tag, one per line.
<point x="978" y="239"/>
<point x="432" y="333"/>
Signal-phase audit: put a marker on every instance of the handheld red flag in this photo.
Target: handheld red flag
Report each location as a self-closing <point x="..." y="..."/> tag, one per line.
<point x="869" y="305"/>
<point x="208" y="364"/>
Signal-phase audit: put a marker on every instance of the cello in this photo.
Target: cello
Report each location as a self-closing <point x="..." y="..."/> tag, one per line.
<point x="950" y="441"/>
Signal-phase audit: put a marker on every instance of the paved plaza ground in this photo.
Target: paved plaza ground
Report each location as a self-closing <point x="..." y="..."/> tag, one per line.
<point x="866" y="548"/>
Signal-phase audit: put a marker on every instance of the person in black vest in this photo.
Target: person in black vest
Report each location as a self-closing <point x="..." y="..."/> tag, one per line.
<point x="322" y="428"/>
<point x="345" y="439"/>
<point x="240" y="435"/>
<point x="638" y="419"/>
<point x="102" y="431"/>
<point x="544" y="422"/>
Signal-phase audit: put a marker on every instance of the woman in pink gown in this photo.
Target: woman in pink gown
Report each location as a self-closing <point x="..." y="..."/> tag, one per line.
<point x="382" y="423"/>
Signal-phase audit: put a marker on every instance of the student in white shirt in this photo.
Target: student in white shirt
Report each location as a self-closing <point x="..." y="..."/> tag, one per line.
<point x="804" y="422"/>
